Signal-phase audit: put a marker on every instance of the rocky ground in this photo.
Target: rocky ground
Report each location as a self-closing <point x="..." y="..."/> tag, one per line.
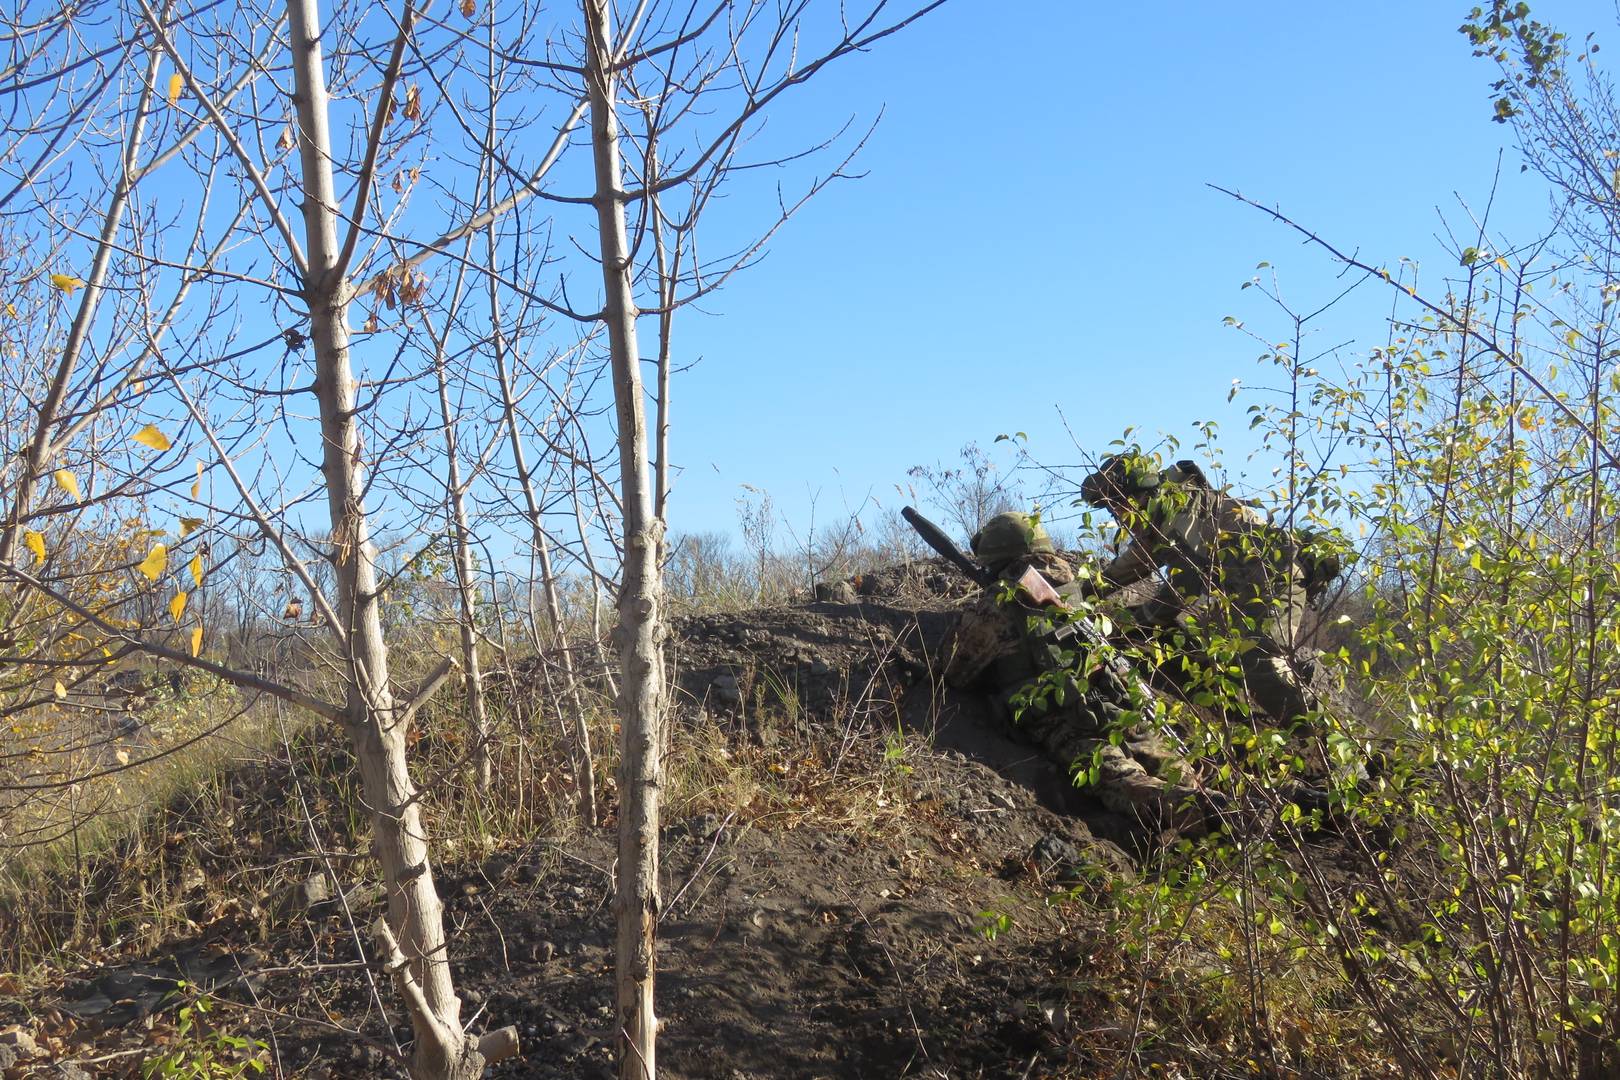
<point x="872" y="902"/>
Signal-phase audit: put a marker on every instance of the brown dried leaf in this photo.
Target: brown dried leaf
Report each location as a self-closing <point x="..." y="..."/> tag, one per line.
<point x="413" y="103"/>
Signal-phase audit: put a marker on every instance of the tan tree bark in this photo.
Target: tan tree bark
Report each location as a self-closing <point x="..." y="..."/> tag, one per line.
<point x="376" y="724"/>
<point x="640" y="627"/>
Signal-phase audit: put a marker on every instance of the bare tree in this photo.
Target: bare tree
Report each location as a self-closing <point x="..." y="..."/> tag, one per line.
<point x="297" y="140"/>
<point x="741" y="57"/>
<point x="969" y="492"/>
<point x="311" y="265"/>
<point x="640" y="631"/>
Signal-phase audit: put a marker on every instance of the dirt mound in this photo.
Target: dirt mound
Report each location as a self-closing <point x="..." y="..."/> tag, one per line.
<point x="825" y="669"/>
<point x="786" y="952"/>
<point x="861" y="649"/>
<point x="833" y="921"/>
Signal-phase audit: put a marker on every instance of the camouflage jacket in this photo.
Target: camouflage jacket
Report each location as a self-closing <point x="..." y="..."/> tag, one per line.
<point x="989" y="649"/>
<point x="1202" y="539"/>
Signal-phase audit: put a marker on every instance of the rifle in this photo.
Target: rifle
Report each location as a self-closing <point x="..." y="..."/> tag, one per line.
<point x="1032" y="586"/>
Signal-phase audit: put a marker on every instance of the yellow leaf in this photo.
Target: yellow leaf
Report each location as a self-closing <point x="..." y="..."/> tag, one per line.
<point x="66" y="282"/>
<point x="177" y="606"/>
<point x="11" y="309"/>
<point x="196" y="569"/>
<point x="1503" y="263"/>
<point x="189" y="526"/>
<point x="151" y="436"/>
<point x="175" y="84"/>
<point x="196" y="488"/>
<point x="122" y="757"/>
<point x="196" y="641"/>
<point x="68" y="483"/>
<point x="61" y="691"/>
<point x="35" y="543"/>
<point x="155" y="562"/>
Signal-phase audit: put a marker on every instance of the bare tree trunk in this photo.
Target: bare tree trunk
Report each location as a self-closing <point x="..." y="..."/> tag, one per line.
<point x="584" y="776"/>
<point x="588" y="557"/>
<point x="667" y="273"/>
<point x="580" y="734"/>
<point x="641" y="685"/>
<point x="466" y="589"/>
<point x="461" y="541"/>
<point x="375" y="724"/>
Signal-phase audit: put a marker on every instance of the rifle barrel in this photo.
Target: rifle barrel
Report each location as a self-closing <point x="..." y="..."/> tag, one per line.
<point x="935" y="538"/>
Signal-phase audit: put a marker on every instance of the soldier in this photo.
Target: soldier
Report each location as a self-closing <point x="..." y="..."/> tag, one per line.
<point x="1222" y="570"/>
<point x="1005" y="643"/>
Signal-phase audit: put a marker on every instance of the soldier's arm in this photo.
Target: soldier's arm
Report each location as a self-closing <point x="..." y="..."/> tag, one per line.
<point x="1133" y="564"/>
<point x="1166" y="530"/>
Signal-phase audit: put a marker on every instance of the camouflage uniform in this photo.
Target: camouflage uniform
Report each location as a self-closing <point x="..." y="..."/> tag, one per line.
<point x="1223" y="570"/>
<point x="1003" y="647"/>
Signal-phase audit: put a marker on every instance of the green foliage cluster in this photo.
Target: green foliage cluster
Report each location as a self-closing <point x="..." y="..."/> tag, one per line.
<point x="202" y="1051"/>
<point x="1457" y="880"/>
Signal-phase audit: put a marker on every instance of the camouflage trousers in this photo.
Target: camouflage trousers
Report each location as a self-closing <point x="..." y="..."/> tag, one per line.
<point x="1139" y="775"/>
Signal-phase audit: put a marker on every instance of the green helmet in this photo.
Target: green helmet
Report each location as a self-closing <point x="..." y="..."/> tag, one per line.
<point x="1120" y="477"/>
<point x="1009" y="536"/>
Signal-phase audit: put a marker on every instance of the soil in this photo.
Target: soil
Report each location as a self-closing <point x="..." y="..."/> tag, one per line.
<point x="796" y="944"/>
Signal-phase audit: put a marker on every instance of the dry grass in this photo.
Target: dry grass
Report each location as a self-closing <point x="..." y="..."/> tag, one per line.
<point x="76" y="785"/>
<point x="785" y="785"/>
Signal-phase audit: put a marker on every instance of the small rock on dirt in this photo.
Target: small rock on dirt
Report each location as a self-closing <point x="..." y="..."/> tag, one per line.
<point x="1056" y="853"/>
<point x="20" y="1042"/>
<point x="835" y="592"/>
<point x="725" y="690"/>
<point x="704" y="826"/>
<point x="304" y="897"/>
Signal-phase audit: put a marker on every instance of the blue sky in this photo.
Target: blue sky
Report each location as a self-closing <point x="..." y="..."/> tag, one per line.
<point x="1035" y="231"/>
